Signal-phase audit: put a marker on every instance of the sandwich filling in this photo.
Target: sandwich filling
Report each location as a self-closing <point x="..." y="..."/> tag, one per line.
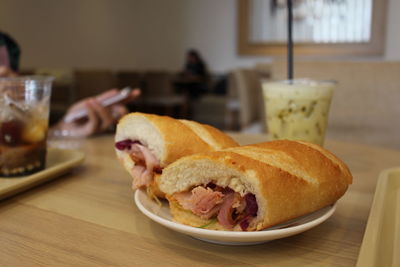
<point x="146" y="163"/>
<point x="224" y="204"/>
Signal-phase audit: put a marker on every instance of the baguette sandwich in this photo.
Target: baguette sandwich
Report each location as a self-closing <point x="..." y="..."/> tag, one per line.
<point x="253" y="187"/>
<point x="147" y="143"/>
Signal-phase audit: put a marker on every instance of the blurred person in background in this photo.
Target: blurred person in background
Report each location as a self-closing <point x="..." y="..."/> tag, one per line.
<point x="194" y="79"/>
<point x="99" y="119"/>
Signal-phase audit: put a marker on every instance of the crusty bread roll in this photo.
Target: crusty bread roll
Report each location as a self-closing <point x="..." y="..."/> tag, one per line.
<point x="167" y="139"/>
<point x="287" y="178"/>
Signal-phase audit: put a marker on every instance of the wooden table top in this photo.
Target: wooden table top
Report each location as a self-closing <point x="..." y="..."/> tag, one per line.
<point x="88" y="218"/>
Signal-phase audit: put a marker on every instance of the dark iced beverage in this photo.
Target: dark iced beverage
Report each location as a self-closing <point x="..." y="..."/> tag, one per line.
<point x="24" y="111"/>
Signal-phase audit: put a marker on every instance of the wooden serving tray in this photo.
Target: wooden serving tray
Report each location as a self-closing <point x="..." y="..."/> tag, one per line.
<point x="381" y="243"/>
<point x="58" y="161"/>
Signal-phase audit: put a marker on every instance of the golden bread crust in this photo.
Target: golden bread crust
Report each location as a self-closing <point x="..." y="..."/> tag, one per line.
<point x="289" y="178"/>
<point x="179" y="138"/>
<point x="212" y="136"/>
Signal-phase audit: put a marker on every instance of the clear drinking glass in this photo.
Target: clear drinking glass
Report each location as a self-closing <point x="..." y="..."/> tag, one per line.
<point x="24" y="113"/>
<point x="298" y="109"/>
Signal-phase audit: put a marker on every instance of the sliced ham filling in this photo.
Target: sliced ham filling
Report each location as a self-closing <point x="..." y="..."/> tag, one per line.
<point x="203" y="202"/>
<point x="146" y="164"/>
<point x="213" y="201"/>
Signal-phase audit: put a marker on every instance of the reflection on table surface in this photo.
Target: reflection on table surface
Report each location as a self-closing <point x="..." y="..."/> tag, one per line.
<point x="88" y="217"/>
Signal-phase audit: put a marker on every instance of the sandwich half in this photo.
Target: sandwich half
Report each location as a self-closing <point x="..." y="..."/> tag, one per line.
<point x="147" y="143"/>
<point x="253" y="187"/>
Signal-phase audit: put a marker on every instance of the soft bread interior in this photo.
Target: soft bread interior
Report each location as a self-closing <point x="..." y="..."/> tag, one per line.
<point x="288" y="178"/>
<point x="190" y="173"/>
<point x="170" y="139"/>
<point x="155" y="188"/>
<point x="139" y="128"/>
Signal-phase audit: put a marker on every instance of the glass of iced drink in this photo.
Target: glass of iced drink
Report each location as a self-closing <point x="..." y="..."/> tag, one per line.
<point x="24" y="112"/>
<point x="298" y="109"/>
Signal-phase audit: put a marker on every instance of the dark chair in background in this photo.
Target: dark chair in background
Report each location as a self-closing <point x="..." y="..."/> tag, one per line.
<point x="133" y="79"/>
<point x="92" y="82"/>
<point x="159" y="95"/>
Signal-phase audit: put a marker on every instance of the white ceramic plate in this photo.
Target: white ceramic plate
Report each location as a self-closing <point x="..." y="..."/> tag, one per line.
<point x="161" y="215"/>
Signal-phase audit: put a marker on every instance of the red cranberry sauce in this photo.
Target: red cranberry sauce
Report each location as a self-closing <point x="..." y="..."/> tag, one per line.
<point x="126" y="144"/>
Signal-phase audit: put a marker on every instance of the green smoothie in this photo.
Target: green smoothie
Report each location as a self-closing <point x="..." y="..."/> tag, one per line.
<point x="298" y="109"/>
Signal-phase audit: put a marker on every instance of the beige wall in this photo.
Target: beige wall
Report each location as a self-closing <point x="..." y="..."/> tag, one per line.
<point x="392" y="51"/>
<point x="138" y="34"/>
<point x="142" y="34"/>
